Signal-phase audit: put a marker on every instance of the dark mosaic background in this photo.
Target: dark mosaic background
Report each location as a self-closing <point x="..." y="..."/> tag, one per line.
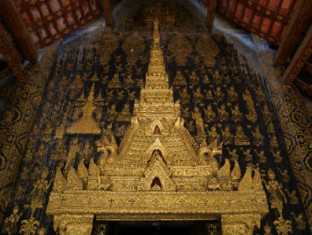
<point x="223" y="84"/>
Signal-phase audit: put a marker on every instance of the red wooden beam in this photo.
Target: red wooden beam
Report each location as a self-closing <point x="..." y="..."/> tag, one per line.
<point x="11" y="56"/>
<point x="301" y="57"/>
<point x="211" y="11"/>
<point x="107" y="12"/>
<point x="14" y="23"/>
<point x="294" y="34"/>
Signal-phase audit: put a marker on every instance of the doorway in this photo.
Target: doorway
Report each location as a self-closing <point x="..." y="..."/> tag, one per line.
<point x="157" y="228"/>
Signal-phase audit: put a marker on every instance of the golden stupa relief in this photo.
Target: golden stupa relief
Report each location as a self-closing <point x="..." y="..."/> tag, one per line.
<point x="86" y="124"/>
<point x="158" y="171"/>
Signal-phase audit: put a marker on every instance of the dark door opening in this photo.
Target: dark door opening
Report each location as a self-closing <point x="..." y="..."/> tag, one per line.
<point x="157" y="228"/>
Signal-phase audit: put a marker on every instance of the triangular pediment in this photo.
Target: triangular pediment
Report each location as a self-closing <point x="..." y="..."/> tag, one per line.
<point x="155" y="128"/>
<point x="157" y="145"/>
<point x="157" y="175"/>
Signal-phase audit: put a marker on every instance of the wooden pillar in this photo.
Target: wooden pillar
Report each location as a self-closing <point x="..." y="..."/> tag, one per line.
<point x="211" y="11"/>
<point x="301" y="57"/>
<point x="107" y="12"/>
<point x="11" y="56"/>
<point x="17" y="28"/>
<point x="300" y="20"/>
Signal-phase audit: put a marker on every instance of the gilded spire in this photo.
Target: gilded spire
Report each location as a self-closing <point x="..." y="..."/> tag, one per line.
<point x="156" y="96"/>
<point x="156" y="66"/>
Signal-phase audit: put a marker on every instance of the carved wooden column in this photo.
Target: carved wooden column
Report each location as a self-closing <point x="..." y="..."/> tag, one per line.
<point x="17" y="28"/>
<point x="239" y="224"/>
<point x="296" y="28"/>
<point x="71" y="224"/>
<point x="107" y="12"/>
<point x="211" y="11"/>
<point x="301" y="57"/>
<point x="12" y="58"/>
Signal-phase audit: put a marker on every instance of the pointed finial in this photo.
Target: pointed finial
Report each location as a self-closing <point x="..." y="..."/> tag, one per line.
<point x="156" y="36"/>
<point x="91" y="94"/>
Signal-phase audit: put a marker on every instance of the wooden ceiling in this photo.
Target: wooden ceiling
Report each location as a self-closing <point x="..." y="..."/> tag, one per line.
<point x="282" y="22"/>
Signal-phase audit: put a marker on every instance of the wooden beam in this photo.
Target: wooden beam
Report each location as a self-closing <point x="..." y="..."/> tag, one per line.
<point x="11" y="56"/>
<point x="301" y="57"/>
<point x="5" y="72"/>
<point x="306" y="88"/>
<point x="297" y="26"/>
<point x="308" y="68"/>
<point x="17" y="28"/>
<point x="107" y="12"/>
<point x="211" y="11"/>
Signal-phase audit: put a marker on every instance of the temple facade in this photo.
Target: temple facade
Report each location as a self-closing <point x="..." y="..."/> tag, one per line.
<point x="157" y="173"/>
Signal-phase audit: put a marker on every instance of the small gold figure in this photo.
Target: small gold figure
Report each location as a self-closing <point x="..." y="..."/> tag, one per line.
<point x="213" y="134"/>
<point x="209" y="95"/>
<point x="247" y="155"/>
<point x="217" y="75"/>
<point x="210" y="114"/>
<point x="219" y="94"/>
<point x="184" y="96"/>
<point x="10" y="223"/>
<point x="199" y="121"/>
<point x="223" y="114"/>
<point x="233" y="96"/>
<point x="262" y="157"/>
<point x="40" y="187"/>
<point x="179" y="80"/>
<point x="185" y="112"/>
<point x="293" y="197"/>
<point x="111" y="113"/>
<point x="193" y="79"/>
<point x="274" y="141"/>
<point x="258" y="138"/>
<point x="240" y="137"/>
<point x="131" y="95"/>
<point x="227" y="135"/>
<point x="206" y="79"/>
<point x="236" y="114"/>
<point x="198" y="96"/>
<point x="301" y="224"/>
<point x="124" y="115"/>
<point x="72" y="152"/>
<point x="277" y="157"/>
<point x="285" y="176"/>
<point x="115" y="82"/>
<point x="128" y="81"/>
<point x="234" y="155"/>
<point x="276" y="195"/>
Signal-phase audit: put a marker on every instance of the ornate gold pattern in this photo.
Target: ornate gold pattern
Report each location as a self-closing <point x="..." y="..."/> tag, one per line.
<point x="180" y="48"/>
<point x="157" y="169"/>
<point x="208" y="49"/>
<point x="134" y="46"/>
<point x="66" y="82"/>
